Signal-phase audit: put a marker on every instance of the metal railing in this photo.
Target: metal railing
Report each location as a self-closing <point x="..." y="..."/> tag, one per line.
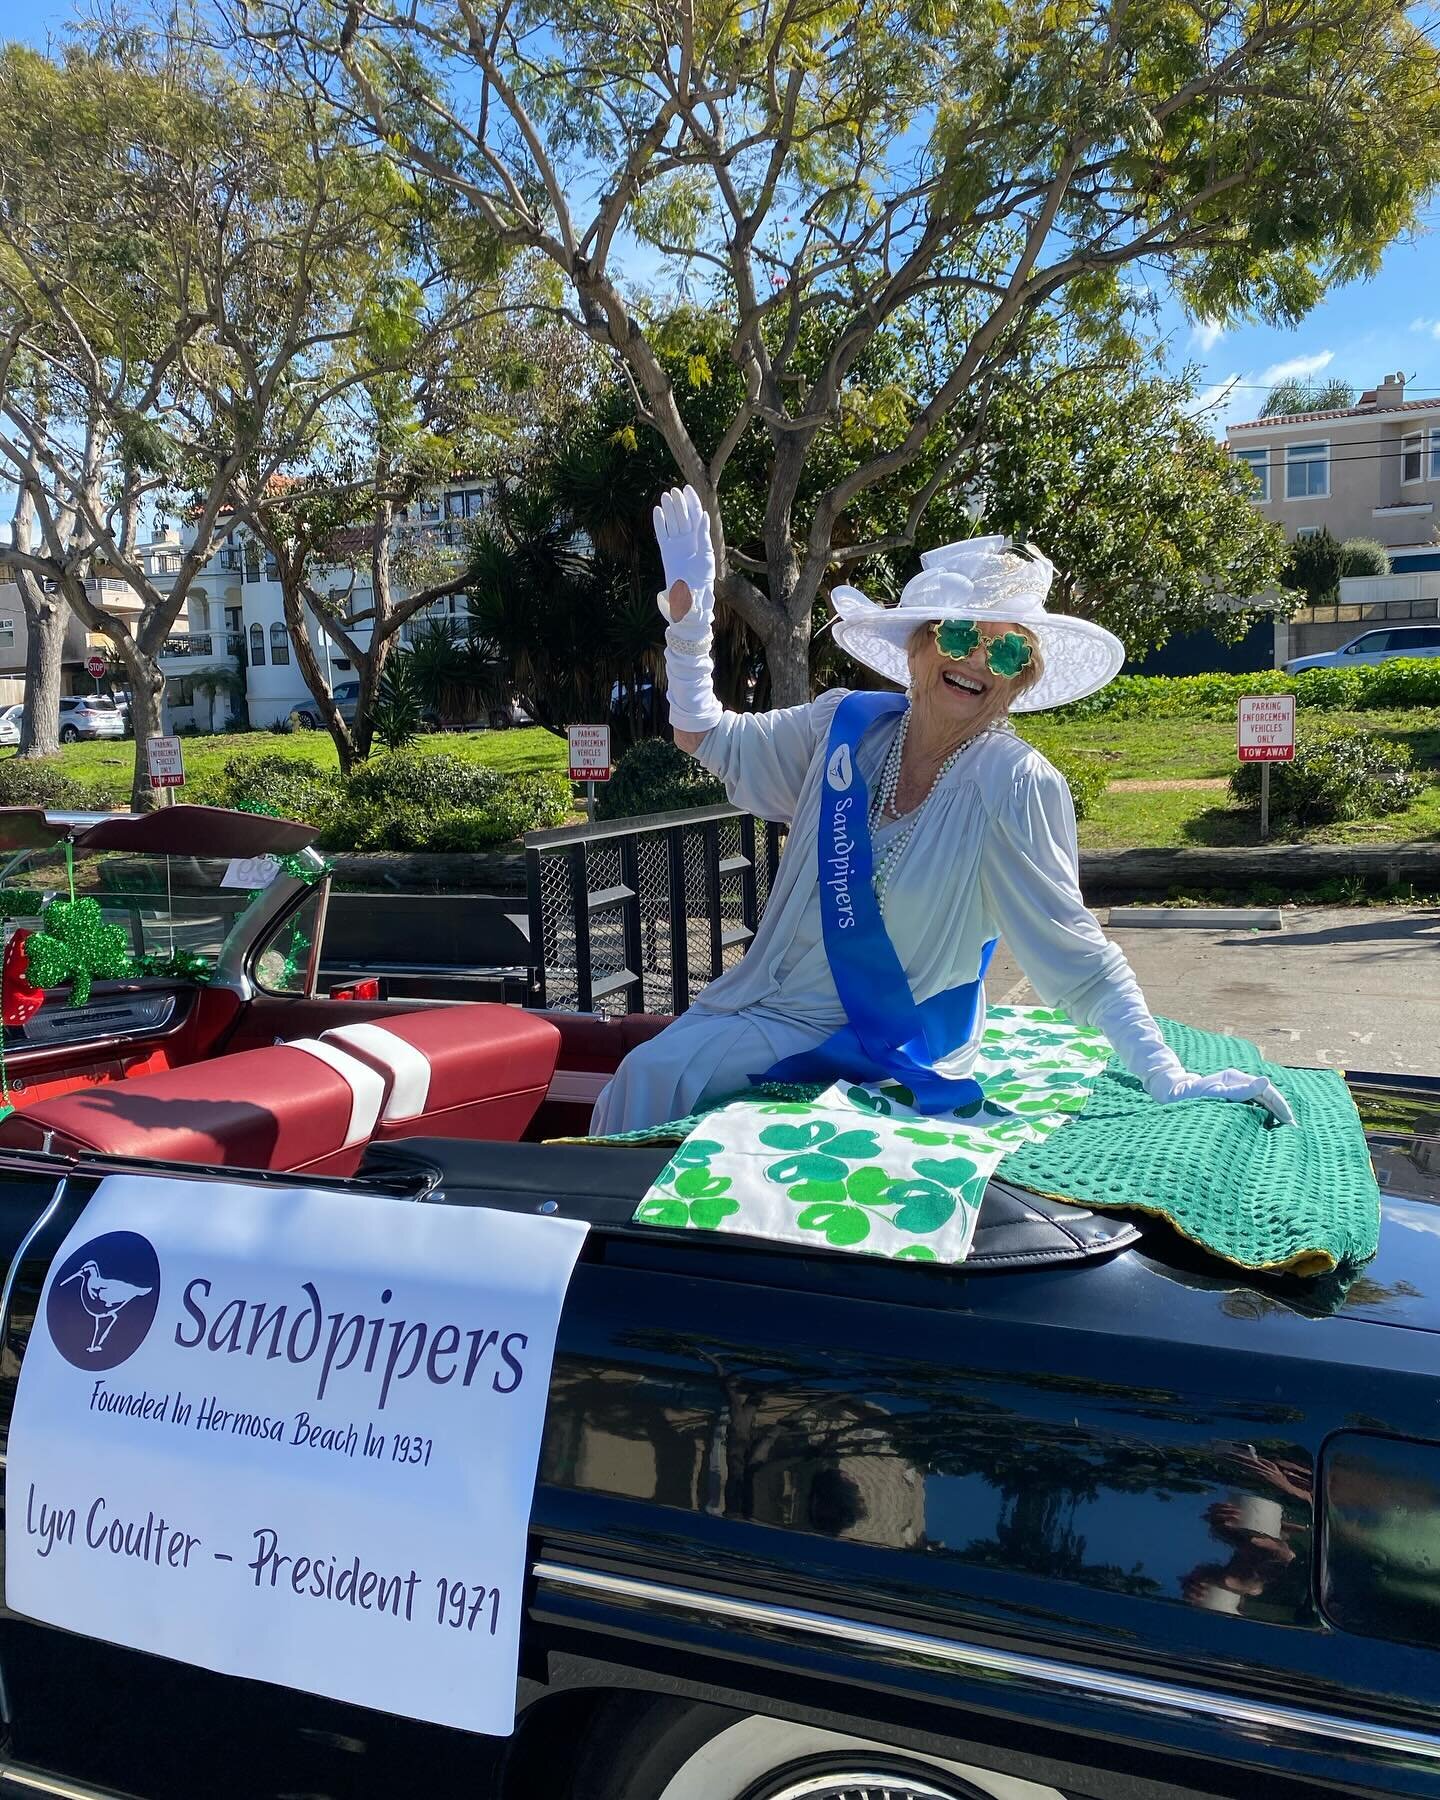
<point x="638" y="915"/>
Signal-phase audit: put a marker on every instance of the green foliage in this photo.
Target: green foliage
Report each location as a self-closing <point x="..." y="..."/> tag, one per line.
<point x="1087" y="777"/>
<point x="1407" y="681"/>
<point x="37" y="781"/>
<point x="1364" y="556"/>
<point x="1303" y="396"/>
<point x="1314" y="565"/>
<point x="655" y="777"/>
<point x="398" y="715"/>
<point x="1335" y="775"/>
<point x="293" y="787"/>
<point x="1147" y="518"/>
<point x="439" y="803"/>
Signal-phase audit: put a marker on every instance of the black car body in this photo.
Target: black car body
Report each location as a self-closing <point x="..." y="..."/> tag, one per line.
<point x="1127" y="1524"/>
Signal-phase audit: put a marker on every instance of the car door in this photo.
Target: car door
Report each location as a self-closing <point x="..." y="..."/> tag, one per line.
<point x="1371" y="648"/>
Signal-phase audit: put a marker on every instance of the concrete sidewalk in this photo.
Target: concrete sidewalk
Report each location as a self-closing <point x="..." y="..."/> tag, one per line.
<point x="1347" y="987"/>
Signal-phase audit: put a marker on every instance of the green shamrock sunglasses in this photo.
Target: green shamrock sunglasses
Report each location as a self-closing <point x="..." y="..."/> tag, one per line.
<point x="1006" y="655"/>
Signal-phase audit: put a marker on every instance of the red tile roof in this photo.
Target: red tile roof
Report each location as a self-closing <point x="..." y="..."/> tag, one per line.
<point x="1340" y="412"/>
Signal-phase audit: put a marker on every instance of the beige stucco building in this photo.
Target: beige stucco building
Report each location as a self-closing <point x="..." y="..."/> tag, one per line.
<point x="1370" y="470"/>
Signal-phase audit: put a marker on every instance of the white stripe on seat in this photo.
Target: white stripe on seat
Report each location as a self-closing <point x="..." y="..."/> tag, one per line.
<point x="367" y="1086"/>
<point x="407" y="1067"/>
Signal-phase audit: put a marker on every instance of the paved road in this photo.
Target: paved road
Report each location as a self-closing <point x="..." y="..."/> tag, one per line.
<point x="1350" y="987"/>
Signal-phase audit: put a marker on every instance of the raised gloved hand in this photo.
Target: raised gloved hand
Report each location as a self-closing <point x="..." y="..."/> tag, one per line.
<point x="683" y="533"/>
<point x="1225" y="1084"/>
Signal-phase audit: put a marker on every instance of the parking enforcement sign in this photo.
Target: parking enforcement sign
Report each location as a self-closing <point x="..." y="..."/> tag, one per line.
<point x="167" y="766"/>
<point x="589" y="752"/>
<point x="1267" y="728"/>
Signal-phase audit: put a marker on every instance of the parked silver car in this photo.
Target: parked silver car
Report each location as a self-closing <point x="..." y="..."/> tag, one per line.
<point x="10" y="724"/>
<point x="1380" y="646"/>
<point x="90" y="716"/>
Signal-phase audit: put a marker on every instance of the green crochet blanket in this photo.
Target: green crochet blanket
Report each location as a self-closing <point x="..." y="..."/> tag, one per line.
<point x="1301" y="1200"/>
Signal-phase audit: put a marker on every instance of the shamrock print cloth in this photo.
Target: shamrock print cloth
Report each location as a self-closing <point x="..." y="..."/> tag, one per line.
<point x="858" y="1168"/>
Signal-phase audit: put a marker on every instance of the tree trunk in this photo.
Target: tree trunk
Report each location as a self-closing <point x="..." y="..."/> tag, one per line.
<point x="310" y="670"/>
<point x="46" y="617"/>
<point x="787" y="654"/>
<point x="147" y="687"/>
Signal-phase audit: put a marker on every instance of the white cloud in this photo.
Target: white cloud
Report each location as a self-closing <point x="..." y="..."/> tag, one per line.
<point x="1211" y="399"/>
<point x="1296" y="368"/>
<point x="1205" y="334"/>
<point x="1430" y="326"/>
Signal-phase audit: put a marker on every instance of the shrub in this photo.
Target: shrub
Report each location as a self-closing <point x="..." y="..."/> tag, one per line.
<point x="1335" y="775"/>
<point x="295" y="787"/>
<point x="1408" y="681"/>
<point x="1364" y="556"/>
<point x="397" y="715"/>
<point x="654" y="776"/>
<point x="37" y="781"/>
<point x="440" y="803"/>
<point x="1086" y="775"/>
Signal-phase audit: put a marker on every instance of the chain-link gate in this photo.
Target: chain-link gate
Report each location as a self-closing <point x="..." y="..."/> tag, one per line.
<point x="638" y="915"/>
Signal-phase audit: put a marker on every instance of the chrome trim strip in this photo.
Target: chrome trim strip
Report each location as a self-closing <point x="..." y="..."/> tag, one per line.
<point x="37" y="1225"/>
<point x="35" y="1783"/>
<point x="1092" y="1683"/>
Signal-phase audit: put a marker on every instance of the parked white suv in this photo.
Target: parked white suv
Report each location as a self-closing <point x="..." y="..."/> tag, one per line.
<point x="90" y="716"/>
<point x="1383" y="645"/>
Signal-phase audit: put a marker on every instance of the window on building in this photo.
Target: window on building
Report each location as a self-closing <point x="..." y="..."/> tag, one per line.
<point x="7" y="634"/>
<point x="180" y="690"/>
<point x="1435" y="455"/>
<point x="257" y="647"/>
<point x="1307" y="471"/>
<point x="1412" y="457"/>
<point x="234" y="618"/>
<point x="1307" y="531"/>
<point x="272" y="569"/>
<point x="1258" y="463"/>
<point x="279" y="645"/>
<point x="429" y="507"/>
<point x="252" y="560"/>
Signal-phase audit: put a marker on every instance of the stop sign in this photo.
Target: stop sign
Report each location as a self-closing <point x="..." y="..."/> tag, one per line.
<point x="95" y="666"/>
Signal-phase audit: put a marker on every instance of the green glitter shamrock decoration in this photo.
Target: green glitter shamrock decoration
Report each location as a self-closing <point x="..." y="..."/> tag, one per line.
<point x="75" y="944"/>
<point x="956" y="638"/>
<point x="1007" y="655"/>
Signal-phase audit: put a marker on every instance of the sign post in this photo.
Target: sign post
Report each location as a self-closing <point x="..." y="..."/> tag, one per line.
<point x="589" y="759"/>
<point x="95" y="668"/>
<point x="166" y="764"/>
<point x="1266" y="735"/>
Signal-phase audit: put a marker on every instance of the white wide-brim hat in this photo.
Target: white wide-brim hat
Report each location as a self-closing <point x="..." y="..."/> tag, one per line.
<point x="986" y="579"/>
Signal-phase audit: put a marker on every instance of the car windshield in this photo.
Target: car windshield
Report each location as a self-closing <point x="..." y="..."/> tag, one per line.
<point x="165" y="905"/>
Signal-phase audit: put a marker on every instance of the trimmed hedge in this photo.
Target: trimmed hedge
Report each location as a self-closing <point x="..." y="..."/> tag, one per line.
<point x="1408" y="681"/>
<point x="399" y="801"/>
<point x="36" y="781"/>
<point x="654" y="776"/>
<point x="1334" y="775"/>
<point x="1086" y="775"/>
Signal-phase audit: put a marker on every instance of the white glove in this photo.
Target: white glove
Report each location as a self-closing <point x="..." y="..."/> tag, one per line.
<point x="1226" y="1084"/>
<point x="683" y="533"/>
<point x="1126" y="1020"/>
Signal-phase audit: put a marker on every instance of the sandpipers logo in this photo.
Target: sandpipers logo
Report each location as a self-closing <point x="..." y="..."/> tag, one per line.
<point x="838" y="770"/>
<point x="103" y="1301"/>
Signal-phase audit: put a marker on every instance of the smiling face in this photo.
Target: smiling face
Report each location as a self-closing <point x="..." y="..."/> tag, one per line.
<point x="966" y="695"/>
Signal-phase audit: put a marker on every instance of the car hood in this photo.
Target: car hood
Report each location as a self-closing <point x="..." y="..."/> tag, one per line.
<point x="1401" y="1286"/>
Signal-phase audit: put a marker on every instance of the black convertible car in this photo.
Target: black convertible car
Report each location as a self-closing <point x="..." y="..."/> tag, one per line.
<point x="1090" y="1516"/>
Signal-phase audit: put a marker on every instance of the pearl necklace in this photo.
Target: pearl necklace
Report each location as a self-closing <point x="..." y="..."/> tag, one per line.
<point x="883" y="805"/>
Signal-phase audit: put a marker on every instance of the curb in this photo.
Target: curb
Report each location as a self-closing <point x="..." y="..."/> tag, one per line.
<point x="1284" y="866"/>
<point x="1199" y="918"/>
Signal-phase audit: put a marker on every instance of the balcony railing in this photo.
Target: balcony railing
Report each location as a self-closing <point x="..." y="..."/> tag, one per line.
<point x="638" y="915"/>
<point x="189" y="643"/>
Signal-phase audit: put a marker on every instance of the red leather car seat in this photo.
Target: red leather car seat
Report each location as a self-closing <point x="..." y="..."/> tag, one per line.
<point x="283" y="1107"/>
<point x="474" y="1071"/>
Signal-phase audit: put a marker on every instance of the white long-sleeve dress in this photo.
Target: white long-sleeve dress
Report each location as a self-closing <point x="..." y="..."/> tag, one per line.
<point x="993" y="853"/>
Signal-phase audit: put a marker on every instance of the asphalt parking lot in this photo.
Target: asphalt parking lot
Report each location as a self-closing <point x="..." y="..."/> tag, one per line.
<point x="1348" y="987"/>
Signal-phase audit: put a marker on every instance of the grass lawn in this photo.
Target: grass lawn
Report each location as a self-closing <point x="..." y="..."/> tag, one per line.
<point x="1135" y="749"/>
<point x="111" y="762"/>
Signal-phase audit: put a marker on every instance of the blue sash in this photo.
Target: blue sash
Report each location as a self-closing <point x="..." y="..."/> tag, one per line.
<point x="887" y="1035"/>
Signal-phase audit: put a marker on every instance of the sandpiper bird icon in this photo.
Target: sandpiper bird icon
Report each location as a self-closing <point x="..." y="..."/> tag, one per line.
<point x="103" y="1296"/>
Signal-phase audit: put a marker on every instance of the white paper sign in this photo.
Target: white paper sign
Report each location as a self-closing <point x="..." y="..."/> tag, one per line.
<point x="250" y="872"/>
<point x="292" y="1435"/>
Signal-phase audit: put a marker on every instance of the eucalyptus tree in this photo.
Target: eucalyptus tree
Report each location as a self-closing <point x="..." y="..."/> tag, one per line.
<point x="188" y="261"/>
<point x="867" y="165"/>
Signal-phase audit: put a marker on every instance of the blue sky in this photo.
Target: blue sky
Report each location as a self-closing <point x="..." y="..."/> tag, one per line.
<point x="1359" y="334"/>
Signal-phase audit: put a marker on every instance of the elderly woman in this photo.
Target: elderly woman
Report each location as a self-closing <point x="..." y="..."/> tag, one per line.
<point x="921" y="829"/>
